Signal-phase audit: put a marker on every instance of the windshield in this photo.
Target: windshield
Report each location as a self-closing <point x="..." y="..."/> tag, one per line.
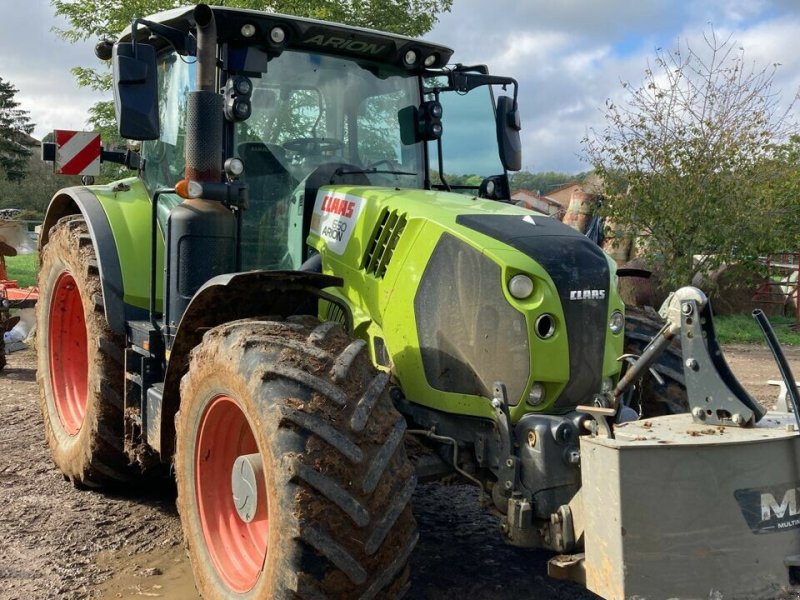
<point x="309" y="110"/>
<point x="469" y="148"/>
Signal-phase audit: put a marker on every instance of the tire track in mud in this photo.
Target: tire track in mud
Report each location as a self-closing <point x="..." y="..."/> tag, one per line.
<point x="51" y="532"/>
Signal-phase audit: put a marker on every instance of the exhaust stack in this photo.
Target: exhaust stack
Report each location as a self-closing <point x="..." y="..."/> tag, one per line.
<point x="201" y="233"/>
<point x="204" y="106"/>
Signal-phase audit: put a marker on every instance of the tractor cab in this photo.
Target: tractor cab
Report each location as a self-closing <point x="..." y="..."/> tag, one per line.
<point x="308" y="104"/>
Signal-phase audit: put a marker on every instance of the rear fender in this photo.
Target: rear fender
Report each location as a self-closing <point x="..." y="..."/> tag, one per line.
<point x="118" y="216"/>
<point x="226" y="298"/>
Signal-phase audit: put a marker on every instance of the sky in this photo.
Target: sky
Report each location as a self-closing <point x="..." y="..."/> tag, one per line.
<point x="569" y="57"/>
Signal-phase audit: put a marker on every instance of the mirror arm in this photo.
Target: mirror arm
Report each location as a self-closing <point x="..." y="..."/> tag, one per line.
<point x="473" y="68"/>
<point x="440" y="153"/>
<point x="464" y="82"/>
<point x="184" y="44"/>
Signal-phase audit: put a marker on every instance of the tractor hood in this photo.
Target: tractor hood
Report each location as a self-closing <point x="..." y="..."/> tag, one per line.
<point x="431" y="270"/>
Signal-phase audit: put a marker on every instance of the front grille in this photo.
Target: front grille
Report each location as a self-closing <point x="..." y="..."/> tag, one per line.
<point x="470" y="336"/>
<point x="574" y="263"/>
<point x="384" y="241"/>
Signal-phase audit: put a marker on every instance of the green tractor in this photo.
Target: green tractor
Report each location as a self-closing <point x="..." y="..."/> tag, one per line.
<point x="306" y="302"/>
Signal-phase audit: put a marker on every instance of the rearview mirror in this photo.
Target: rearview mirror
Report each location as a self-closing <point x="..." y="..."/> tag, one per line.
<point x="508" y="128"/>
<point x="136" y="91"/>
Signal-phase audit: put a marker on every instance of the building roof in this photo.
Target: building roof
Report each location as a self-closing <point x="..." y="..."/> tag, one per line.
<point x="565" y="186"/>
<point x="523" y="194"/>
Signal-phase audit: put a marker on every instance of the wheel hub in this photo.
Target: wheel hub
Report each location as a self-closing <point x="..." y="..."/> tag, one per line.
<point x="247" y="477"/>
<point x="235" y="524"/>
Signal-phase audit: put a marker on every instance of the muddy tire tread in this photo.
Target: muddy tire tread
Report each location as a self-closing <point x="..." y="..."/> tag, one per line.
<point x="104" y="461"/>
<point x="346" y="493"/>
<point x="641" y="324"/>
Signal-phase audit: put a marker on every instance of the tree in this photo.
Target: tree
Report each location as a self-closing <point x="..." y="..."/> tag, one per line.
<point x="15" y="127"/>
<point x="683" y="159"/>
<point x="96" y="19"/>
<point x="32" y="194"/>
<point x="543" y="182"/>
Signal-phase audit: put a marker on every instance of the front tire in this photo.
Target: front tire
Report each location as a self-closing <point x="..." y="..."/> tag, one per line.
<point x="80" y="372"/>
<point x="326" y="512"/>
<point x="650" y="398"/>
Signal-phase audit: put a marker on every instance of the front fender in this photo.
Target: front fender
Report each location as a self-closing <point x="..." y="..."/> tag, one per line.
<point x="227" y="298"/>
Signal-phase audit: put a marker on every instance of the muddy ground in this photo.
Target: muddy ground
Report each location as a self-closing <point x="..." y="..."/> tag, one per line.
<point x="60" y="542"/>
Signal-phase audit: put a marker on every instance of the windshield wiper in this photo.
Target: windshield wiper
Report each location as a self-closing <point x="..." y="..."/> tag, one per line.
<point x="340" y="171"/>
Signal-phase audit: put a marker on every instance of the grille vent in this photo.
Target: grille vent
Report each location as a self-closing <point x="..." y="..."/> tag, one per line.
<point x="335" y="313"/>
<point x="384" y="241"/>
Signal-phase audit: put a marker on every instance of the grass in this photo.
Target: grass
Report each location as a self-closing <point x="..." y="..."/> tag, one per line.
<point x="737" y="329"/>
<point x="23" y="268"/>
<point x="742" y="329"/>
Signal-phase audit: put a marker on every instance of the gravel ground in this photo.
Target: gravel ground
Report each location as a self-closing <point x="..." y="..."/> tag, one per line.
<point x="60" y="542"/>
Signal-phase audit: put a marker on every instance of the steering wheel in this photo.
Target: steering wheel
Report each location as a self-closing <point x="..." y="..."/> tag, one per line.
<point x="313" y="145"/>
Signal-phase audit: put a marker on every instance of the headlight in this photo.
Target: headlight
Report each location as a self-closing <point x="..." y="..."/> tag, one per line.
<point x="277" y="35"/>
<point x="617" y="322"/>
<point x="536" y="396"/>
<point x="520" y="286"/>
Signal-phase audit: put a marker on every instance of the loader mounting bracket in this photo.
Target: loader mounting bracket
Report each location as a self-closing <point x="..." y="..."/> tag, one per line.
<point x="715" y="396"/>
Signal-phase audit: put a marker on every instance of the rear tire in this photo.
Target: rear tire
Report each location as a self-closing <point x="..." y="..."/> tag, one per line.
<point x="650" y="398"/>
<point x="80" y="371"/>
<point x="304" y="399"/>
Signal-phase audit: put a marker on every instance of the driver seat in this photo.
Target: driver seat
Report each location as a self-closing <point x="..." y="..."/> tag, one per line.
<point x="271" y="185"/>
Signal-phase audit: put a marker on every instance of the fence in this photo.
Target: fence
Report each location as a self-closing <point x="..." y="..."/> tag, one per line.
<point x="782" y="285"/>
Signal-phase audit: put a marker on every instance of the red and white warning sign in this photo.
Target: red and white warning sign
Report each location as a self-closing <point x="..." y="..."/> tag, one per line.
<point x="77" y="152"/>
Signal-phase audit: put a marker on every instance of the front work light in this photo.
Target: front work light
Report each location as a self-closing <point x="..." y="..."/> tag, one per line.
<point x="617" y="322"/>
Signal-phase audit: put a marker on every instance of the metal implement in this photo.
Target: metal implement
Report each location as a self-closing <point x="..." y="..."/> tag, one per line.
<point x="783" y="365"/>
<point x="715" y="396"/>
<point x="671" y="313"/>
<point x="672" y="509"/>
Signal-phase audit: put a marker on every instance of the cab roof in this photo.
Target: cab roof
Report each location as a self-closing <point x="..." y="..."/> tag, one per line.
<point x="308" y="35"/>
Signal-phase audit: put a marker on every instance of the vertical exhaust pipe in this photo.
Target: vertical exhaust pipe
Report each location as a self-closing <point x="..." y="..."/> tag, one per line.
<point x="204" y="106"/>
<point x="206" y="47"/>
<point x="201" y="234"/>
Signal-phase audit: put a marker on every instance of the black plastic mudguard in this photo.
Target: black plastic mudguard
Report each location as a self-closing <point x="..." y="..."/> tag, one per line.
<point x="227" y="298"/>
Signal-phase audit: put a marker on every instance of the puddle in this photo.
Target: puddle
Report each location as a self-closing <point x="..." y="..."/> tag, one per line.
<point x="161" y="573"/>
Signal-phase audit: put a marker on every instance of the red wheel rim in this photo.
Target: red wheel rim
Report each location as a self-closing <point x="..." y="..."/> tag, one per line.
<point x="237" y="549"/>
<point x="68" y="355"/>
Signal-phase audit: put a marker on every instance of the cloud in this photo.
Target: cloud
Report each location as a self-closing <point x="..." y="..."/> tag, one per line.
<point x="38" y="64"/>
<point x="570" y="56"/>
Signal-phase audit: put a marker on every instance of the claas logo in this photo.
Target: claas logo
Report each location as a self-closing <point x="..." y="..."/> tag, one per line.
<point x="338" y="206"/>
